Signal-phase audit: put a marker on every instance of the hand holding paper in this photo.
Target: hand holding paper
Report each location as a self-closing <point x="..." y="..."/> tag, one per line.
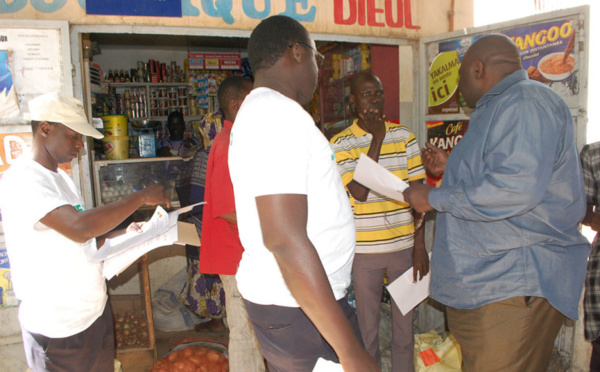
<point x="372" y="175"/>
<point x="162" y="229"/>
<point x="406" y="293"/>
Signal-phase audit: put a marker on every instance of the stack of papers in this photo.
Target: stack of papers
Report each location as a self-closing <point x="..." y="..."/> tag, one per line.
<point x="163" y="229"/>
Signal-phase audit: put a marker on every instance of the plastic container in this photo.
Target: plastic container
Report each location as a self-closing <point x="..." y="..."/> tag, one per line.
<point x="115" y="125"/>
<point x="116" y="147"/>
<point x="147" y="144"/>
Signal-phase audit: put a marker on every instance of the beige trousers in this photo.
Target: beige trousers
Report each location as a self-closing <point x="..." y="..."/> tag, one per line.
<point x="244" y="350"/>
<point x="513" y="335"/>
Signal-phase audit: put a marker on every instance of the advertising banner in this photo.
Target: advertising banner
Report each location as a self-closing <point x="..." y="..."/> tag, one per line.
<point x="444" y="134"/>
<point x="156" y="8"/>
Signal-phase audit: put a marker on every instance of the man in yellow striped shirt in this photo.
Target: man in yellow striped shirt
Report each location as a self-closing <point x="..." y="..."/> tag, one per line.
<point x="385" y="235"/>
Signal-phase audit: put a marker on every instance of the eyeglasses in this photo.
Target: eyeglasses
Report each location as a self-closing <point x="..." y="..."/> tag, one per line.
<point x="318" y="56"/>
<point x="370" y="93"/>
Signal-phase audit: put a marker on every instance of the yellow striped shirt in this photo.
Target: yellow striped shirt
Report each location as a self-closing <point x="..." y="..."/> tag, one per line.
<point x="382" y="224"/>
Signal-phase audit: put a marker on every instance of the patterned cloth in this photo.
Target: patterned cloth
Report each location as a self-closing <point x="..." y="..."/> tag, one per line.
<point x="209" y="126"/>
<point x="203" y="294"/>
<point x="590" y="164"/>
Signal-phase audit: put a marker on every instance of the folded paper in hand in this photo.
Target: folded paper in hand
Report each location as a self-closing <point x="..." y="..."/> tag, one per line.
<point x="380" y="180"/>
<point x="162" y="229"/>
<point x="406" y="293"/>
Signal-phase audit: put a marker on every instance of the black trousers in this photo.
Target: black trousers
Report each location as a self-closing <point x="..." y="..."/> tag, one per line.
<point x="92" y="350"/>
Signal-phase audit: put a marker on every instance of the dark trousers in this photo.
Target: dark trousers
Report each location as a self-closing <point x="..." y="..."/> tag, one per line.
<point x="289" y="340"/>
<point x="92" y="350"/>
<point x="595" y="359"/>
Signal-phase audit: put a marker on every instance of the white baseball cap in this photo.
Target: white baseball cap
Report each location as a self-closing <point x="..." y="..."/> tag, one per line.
<point x="58" y="108"/>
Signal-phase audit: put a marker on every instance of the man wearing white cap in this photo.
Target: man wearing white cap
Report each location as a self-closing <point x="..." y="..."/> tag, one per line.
<point x="65" y="318"/>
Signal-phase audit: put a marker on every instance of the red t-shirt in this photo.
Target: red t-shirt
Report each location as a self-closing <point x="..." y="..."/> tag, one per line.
<point x="220" y="246"/>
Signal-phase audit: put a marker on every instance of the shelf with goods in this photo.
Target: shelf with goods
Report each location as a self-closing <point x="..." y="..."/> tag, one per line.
<point x="342" y="61"/>
<point x="152" y="101"/>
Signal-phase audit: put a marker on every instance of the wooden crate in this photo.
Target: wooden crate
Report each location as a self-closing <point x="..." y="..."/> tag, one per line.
<point x="137" y="358"/>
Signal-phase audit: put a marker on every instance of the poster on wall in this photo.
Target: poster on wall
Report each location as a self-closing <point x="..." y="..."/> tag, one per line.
<point x="444" y="134"/>
<point x="36" y="67"/>
<point x="7" y="295"/>
<point x="9" y="105"/>
<point x="12" y="147"/>
<point x="443" y="84"/>
<point x="547" y="54"/>
<point x="35" y="62"/>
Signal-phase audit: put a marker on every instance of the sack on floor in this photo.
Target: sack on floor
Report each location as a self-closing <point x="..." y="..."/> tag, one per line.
<point x="169" y="314"/>
<point x="434" y="353"/>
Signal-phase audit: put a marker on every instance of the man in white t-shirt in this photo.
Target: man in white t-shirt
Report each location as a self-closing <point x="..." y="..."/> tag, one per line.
<point x="65" y="318"/>
<point x="294" y="218"/>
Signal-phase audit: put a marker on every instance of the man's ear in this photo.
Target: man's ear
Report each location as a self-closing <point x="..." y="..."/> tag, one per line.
<point x="44" y="128"/>
<point x="477" y="68"/>
<point x="296" y="53"/>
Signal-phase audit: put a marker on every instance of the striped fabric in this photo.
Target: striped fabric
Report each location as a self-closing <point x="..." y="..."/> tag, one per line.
<point x="382" y="224"/>
<point x="590" y="165"/>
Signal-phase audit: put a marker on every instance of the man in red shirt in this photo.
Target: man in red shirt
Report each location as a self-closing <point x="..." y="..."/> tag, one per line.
<point x="221" y="249"/>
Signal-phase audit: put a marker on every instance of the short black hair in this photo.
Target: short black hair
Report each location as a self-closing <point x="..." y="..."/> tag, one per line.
<point x="270" y="39"/>
<point x="360" y="77"/>
<point x="231" y="88"/>
<point x="175" y="114"/>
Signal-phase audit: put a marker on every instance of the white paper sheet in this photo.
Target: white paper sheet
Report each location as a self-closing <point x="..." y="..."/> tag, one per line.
<point x="324" y="365"/>
<point x="408" y="294"/>
<point x="189" y="208"/>
<point x="372" y="175"/>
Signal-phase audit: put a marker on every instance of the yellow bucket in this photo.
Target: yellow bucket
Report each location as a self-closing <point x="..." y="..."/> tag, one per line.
<point x="116" y="147"/>
<point x="115" y="125"/>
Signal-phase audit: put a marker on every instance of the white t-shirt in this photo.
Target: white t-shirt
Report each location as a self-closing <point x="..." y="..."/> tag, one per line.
<point x="61" y="291"/>
<point x="277" y="149"/>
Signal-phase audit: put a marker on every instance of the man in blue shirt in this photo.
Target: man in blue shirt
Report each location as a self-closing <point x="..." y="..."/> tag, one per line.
<point x="508" y="259"/>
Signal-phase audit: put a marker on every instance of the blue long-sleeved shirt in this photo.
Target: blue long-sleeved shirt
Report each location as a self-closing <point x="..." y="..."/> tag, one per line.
<point x="510" y="204"/>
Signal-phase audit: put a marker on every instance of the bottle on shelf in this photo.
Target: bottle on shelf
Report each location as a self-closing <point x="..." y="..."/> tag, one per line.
<point x="111" y="77"/>
<point x="140" y="72"/>
<point x="121" y="76"/>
